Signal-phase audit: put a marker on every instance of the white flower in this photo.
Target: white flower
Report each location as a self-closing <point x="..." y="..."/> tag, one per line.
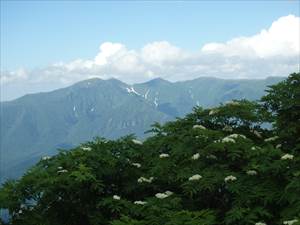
<point x="62" y="171"/>
<point x="138" y="165"/>
<point x="163" y="195"/>
<point x="213" y="111"/>
<point x="287" y="156"/>
<point x="271" y="139"/>
<point x="253" y="148"/>
<point x="168" y="193"/>
<point x="195" y="177"/>
<point x="290" y="222"/>
<point x="227" y="140"/>
<point x="278" y="146"/>
<point x="116" y="197"/>
<point x="256" y="133"/>
<point x="231" y="138"/>
<point x="59" y="168"/>
<point x="146" y="180"/>
<point x="228" y="128"/>
<point x="20" y="211"/>
<point x="230" y="178"/>
<point x="236" y="136"/>
<point x="46" y="158"/>
<point x="86" y="149"/>
<point x="137" y="142"/>
<point x="251" y="172"/>
<point x="260" y="223"/>
<point x="140" y="203"/>
<point x="232" y="103"/>
<point x="197" y="126"/>
<point x="196" y="156"/>
<point x="164" y="155"/>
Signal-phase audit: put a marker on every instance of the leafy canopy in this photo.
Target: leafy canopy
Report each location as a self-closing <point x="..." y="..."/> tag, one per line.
<point x="220" y="166"/>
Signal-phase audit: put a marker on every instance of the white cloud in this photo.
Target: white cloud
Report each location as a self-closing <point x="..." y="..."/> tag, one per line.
<point x="272" y="52"/>
<point x="160" y="53"/>
<point x="281" y="39"/>
<point x="109" y="52"/>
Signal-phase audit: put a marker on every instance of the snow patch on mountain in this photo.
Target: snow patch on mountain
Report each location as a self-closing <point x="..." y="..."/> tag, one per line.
<point x="155" y="101"/>
<point x="146" y="94"/>
<point x="131" y="90"/>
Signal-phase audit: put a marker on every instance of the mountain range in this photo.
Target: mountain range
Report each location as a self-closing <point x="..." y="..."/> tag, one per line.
<point x="36" y="125"/>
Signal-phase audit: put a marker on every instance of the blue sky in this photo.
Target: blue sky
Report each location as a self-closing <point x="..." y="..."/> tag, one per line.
<point x="46" y="45"/>
<point x="37" y="33"/>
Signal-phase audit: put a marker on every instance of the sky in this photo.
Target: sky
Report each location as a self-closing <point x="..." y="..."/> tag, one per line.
<point x="47" y="45"/>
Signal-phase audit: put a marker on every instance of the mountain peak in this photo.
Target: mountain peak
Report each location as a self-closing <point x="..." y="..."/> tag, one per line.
<point x="115" y="81"/>
<point x="157" y="81"/>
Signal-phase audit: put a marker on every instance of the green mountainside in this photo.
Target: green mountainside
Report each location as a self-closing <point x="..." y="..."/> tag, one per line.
<point x="38" y="124"/>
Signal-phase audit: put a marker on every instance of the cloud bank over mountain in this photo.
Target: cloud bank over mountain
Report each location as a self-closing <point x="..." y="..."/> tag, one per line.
<point x="271" y="52"/>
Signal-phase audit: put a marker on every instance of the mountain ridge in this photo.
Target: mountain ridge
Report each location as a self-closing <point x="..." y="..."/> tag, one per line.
<point x="37" y="124"/>
<point x="154" y="80"/>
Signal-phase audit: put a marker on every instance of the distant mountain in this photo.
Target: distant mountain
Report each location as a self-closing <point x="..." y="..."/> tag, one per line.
<point x="38" y="124"/>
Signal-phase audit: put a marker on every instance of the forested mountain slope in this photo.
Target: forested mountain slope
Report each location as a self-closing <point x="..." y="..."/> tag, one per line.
<point x="39" y="124"/>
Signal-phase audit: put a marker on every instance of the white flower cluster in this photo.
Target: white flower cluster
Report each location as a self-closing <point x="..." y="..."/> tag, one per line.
<point x="228" y="128"/>
<point x="46" y="158"/>
<point x="137" y="142"/>
<point x="256" y="133"/>
<point x="231" y="138"/>
<point x="163" y="195"/>
<point x="232" y="103"/>
<point x="271" y="139"/>
<point x="213" y="111"/>
<point x="116" y="197"/>
<point x="62" y="171"/>
<point x="87" y="149"/>
<point x="195" y="177"/>
<point x="237" y="136"/>
<point x="260" y="223"/>
<point x="290" y="222"/>
<point x="164" y="155"/>
<point x="227" y="140"/>
<point x="251" y="172"/>
<point x="140" y="202"/>
<point x="145" y="180"/>
<point x="196" y="156"/>
<point x="230" y="178"/>
<point x="138" y="165"/>
<point x="197" y="126"/>
<point x="287" y="156"/>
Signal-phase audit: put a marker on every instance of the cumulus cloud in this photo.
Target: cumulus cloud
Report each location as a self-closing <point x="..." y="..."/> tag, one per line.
<point x="281" y="39"/>
<point x="271" y="52"/>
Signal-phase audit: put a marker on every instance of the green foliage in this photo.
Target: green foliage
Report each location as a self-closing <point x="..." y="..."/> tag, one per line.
<point x="213" y="167"/>
<point x="283" y="103"/>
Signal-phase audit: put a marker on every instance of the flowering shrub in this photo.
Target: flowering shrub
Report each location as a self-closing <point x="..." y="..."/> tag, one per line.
<point x="246" y="179"/>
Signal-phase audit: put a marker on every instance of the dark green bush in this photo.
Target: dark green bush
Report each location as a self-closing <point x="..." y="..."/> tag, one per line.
<point x="214" y="167"/>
